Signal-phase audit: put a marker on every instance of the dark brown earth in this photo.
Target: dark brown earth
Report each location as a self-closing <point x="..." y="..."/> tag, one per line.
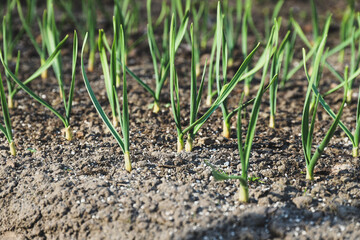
<point x="54" y="189"/>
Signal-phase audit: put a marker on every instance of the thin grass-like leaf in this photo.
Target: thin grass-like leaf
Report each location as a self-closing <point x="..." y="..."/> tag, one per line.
<point x="31" y="93"/>
<point x="73" y="75"/>
<point x="221" y="176"/>
<point x="44" y="66"/>
<point x="224" y="93"/>
<point x="96" y="103"/>
<point x="6" y="116"/>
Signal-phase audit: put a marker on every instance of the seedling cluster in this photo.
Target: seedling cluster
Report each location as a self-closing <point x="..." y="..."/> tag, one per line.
<point x="233" y="24"/>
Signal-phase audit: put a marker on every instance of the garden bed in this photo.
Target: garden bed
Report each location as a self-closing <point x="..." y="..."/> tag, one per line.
<point x="55" y="189"/>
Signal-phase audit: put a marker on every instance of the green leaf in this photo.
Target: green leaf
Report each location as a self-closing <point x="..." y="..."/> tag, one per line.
<point x="31" y="93"/>
<point x="7" y="130"/>
<point x="44" y="66"/>
<point x="226" y="90"/>
<point x="108" y="78"/>
<point x="173" y="78"/>
<point x="182" y="30"/>
<point x="73" y="75"/>
<point x="125" y="109"/>
<point x="96" y="103"/>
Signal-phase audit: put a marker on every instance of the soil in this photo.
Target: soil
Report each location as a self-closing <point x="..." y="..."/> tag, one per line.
<point x="55" y="189"/>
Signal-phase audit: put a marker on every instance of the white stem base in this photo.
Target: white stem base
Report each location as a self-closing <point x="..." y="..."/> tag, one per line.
<point x="12" y="149"/>
<point x="189" y="145"/>
<point x="68" y="133"/>
<point x="246" y="90"/>
<point x="272" y="121"/>
<point x="180" y="145"/>
<point x="127" y="161"/>
<point x="226" y="130"/>
<point x="244" y="194"/>
<point x="115" y="121"/>
<point x="349" y="96"/>
<point x="10" y="102"/>
<point x="91" y="62"/>
<point x="44" y="73"/>
<point x="208" y="100"/>
<point x="230" y="62"/>
<point x="308" y="176"/>
<point x="198" y="70"/>
<point x="355" y="151"/>
<point x="156" y="107"/>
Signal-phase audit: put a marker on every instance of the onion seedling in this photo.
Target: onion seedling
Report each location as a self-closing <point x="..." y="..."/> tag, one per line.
<point x="268" y="20"/>
<point x="121" y="17"/>
<point x="313" y="47"/>
<point x="346" y="26"/>
<point x="310" y="44"/>
<point x="354" y="72"/>
<point x="263" y="62"/>
<point x="11" y="39"/>
<point x="307" y="128"/>
<point x="158" y="55"/>
<point x="221" y="51"/>
<point x="197" y="16"/>
<point x="123" y="140"/>
<point x="50" y="36"/>
<point x="250" y="21"/>
<point x="109" y="73"/>
<point x="210" y="91"/>
<point x="195" y="126"/>
<point x="87" y="24"/>
<point x="7" y="56"/>
<point x="221" y="47"/>
<point x="246" y="25"/>
<point x="231" y="37"/>
<point x="288" y="53"/>
<point x="41" y="50"/>
<point x="354" y="62"/>
<point x="153" y="49"/>
<point x="177" y="6"/>
<point x="244" y="41"/>
<point x="6" y="129"/>
<point x="231" y="28"/>
<point x="244" y="146"/>
<point x="201" y="19"/>
<point x="127" y="15"/>
<point x="91" y="23"/>
<point x="315" y="20"/>
<point x="354" y="68"/>
<point x="353" y="137"/>
<point x="11" y="86"/>
<point x="67" y="103"/>
<point x="275" y="69"/>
